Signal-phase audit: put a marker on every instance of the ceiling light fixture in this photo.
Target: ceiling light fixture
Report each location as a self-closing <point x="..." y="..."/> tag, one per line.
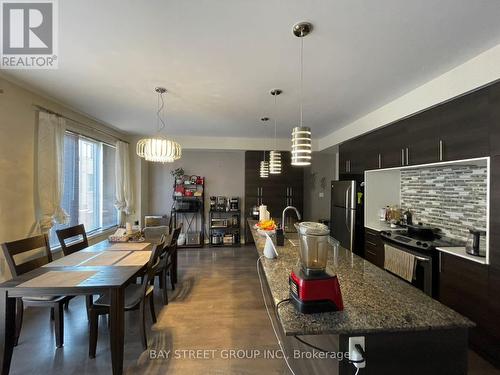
<point x="264" y="168"/>
<point x="264" y="165"/>
<point x="159" y="149"/>
<point x="275" y="155"/>
<point x="301" y="135"/>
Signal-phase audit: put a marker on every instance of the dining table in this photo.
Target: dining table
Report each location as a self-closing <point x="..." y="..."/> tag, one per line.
<point x="104" y="267"/>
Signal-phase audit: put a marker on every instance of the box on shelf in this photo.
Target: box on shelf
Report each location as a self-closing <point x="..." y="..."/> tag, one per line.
<point x="193" y="238"/>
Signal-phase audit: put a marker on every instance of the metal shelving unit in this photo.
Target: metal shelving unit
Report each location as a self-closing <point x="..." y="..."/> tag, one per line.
<point x="225" y="224"/>
<point x="190" y="217"/>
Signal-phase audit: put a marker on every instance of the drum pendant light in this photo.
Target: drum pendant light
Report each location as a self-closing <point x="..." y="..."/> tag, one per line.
<point x="275" y="155"/>
<point x="159" y="149"/>
<point x="264" y="168"/>
<point x="301" y="135"/>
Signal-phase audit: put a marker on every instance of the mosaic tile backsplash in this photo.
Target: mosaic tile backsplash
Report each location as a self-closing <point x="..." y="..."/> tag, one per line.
<point x="452" y="197"/>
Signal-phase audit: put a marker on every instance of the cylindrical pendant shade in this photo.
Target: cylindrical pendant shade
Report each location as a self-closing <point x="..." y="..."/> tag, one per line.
<point x="264" y="169"/>
<point x="275" y="162"/>
<point x="301" y="146"/>
<point x="159" y="150"/>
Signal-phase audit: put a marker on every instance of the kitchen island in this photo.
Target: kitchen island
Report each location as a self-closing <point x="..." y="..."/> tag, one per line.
<point x="405" y="330"/>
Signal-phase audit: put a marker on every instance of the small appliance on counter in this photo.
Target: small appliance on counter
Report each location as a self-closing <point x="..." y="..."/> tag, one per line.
<point x="255" y="212"/>
<point x="312" y="289"/>
<point x="234" y="204"/>
<point x="213" y="203"/>
<point x="472" y="245"/>
<point x="221" y="204"/>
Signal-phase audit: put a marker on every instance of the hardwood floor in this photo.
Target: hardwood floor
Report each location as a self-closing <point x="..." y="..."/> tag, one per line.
<point x="216" y="306"/>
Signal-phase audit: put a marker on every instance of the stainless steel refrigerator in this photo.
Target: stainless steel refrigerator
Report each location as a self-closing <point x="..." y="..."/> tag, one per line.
<point x="344" y="212"/>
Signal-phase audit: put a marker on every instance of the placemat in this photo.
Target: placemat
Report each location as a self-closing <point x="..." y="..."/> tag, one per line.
<point x="71" y="260"/>
<point x="137" y="258"/>
<point x="130" y="246"/>
<point x="58" y="279"/>
<point x="106" y="258"/>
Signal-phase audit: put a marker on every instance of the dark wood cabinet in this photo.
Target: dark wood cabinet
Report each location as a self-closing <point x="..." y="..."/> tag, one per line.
<point x="421" y="137"/>
<point x="276" y="191"/>
<point x="392" y="143"/>
<point x="463" y="286"/>
<point x="494" y="99"/>
<point x="464" y="126"/>
<point x="374" y="248"/>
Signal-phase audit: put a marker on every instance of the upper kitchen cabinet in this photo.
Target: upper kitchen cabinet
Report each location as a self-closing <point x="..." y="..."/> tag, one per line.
<point x="494" y="93"/>
<point x="421" y="137"/>
<point x="392" y="145"/>
<point x="464" y="127"/>
<point x="359" y="154"/>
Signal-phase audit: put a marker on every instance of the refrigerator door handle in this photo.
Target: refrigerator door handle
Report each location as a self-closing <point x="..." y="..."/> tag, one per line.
<point x="347" y="208"/>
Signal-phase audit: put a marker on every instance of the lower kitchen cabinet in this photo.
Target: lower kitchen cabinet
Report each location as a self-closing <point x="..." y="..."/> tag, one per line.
<point x="463" y="286"/>
<point x="374" y="248"/>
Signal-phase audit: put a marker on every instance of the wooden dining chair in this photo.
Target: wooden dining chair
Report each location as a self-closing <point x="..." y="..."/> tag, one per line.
<point x="77" y="239"/>
<point x="10" y="250"/>
<point x="136" y="297"/>
<point x="74" y="239"/>
<point x="166" y="263"/>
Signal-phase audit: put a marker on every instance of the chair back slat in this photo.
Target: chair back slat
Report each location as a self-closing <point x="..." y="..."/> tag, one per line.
<point x="153" y="259"/>
<point x="10" y="249"/>
<point x="72" y="232"/>
<point x="175" y="235"/>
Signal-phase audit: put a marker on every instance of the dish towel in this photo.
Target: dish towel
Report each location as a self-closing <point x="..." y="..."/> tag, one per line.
<point x="399" y="262"/>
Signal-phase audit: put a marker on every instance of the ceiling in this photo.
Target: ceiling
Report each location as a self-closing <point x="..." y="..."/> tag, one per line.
<point x="219" y="59"/>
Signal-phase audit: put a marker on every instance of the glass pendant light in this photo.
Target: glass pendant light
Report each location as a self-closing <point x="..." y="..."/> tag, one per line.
<point x="264" y="168"/>
<point x="275" y="155"/>
<point x="301" y="135"/>
<point x="159" y="149"/>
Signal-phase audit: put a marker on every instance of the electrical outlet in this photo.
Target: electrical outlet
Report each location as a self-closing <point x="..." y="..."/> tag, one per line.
<point x="321" y="195"/>
<point x="353" y="352"/>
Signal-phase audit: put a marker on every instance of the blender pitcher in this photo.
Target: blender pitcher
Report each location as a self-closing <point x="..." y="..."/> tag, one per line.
<point x="314" y="246"/>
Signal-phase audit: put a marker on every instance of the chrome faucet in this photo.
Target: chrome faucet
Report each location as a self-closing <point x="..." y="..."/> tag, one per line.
<point x="283" y="215"/>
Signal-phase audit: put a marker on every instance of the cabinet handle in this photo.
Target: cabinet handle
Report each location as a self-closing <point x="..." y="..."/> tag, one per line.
<point x="291" y="191"/>
<point x="402" y="156"/>
<point x="407" y="156"/>
<point x="371" y="243"/>
<point x="441" y="150"/>
<point x="379" y="161"/>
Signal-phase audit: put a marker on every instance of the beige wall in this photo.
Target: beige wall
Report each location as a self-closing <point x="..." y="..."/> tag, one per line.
<point x="316" y="197"/>
<point x="224" y="173"/>
<point x="17" y="158"/>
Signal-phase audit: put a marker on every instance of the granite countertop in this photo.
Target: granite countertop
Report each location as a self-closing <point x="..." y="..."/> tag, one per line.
<point x="374" y="300"/>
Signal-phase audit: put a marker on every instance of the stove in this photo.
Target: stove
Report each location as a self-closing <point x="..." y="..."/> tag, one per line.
<point x="419" y="238"/>
<point x="421" y="241"/>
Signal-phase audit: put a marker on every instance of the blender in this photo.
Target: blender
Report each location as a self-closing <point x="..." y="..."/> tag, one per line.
<point x="312" y="289"/>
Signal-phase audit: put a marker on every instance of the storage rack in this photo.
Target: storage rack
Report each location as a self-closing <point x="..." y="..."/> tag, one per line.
<point x="191" y="217"/>
<point x="231" y="228"/>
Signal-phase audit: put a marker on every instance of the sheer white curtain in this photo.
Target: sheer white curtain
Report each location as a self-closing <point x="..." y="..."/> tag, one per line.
<point x="124" y="191"/>
<point x="50" y="184"/>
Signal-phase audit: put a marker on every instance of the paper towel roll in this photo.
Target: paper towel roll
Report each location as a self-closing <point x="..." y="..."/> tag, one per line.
<point x="262" y="212"/>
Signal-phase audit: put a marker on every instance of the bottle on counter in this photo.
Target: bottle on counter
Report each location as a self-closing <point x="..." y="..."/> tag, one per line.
<point x="407" y="217"/>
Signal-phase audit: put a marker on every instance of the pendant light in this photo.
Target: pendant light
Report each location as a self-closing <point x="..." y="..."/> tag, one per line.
<point x="275" y="155"/>
<point x="159" y="149"/>
<point x="264" y="168"/>
<point x="301" y="135"/>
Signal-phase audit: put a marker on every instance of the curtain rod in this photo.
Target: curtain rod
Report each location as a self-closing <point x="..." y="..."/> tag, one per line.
<point x="40" y="108"/>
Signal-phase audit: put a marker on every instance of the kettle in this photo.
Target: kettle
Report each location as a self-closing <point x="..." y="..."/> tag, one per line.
<point x="472" y="245"/>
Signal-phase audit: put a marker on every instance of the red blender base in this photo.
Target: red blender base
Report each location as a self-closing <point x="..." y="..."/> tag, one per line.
<point x="315" y="293"/>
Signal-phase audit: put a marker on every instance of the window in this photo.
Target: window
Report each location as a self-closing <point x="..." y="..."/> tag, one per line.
<point x="89" y="184"/>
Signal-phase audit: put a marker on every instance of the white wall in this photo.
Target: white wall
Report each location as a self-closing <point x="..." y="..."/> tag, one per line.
<point x="323" y="170"/>
<point x="17" y="159"/>
<point x="224" y="173"/>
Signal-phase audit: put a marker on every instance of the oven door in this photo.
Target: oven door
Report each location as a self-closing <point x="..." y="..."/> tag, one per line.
<point x="423" y="275"/>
